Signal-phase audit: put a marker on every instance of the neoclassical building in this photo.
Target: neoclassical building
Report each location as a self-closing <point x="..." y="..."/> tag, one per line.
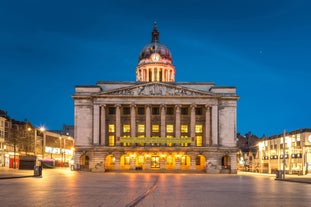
<point x="155" y="123"/>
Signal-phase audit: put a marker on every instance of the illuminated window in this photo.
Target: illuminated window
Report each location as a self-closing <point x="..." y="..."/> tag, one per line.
<point x="111" y="128"/>
<point x="184" y="128"/>
<point x="141" y="128"/>
<point x="198" y="128"/>
<point x="199" y="141"/>
<point x="126" y="128"/>
<point x="155" y="128"/>
<point x="111" y="141"/>
<point x="170" y="128"/>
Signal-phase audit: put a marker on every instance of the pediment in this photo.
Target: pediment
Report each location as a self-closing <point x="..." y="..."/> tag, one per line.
<point x="155" y="89"/>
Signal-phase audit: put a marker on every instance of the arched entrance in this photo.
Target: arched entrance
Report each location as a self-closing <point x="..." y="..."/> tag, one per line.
<point x="110" y="162"/>
<point x="200" y="162"/>
<point x="84" y="162"/>
<point x="226" y="162"/>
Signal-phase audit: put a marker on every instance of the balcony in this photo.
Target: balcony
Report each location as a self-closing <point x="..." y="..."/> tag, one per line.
<point x="156" y="141"/>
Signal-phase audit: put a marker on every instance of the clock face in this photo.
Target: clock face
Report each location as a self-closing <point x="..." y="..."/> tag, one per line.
<point x="155" y="57"/>
<point x="309" y="138"/>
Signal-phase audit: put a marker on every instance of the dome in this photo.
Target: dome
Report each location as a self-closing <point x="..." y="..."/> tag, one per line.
<point x="155" y="47"/>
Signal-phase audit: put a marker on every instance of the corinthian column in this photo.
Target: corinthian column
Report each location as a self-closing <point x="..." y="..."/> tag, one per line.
<point x="192" y="123"/>
<point x="118" y="124"/>
<point x="163" y="120"/>
<point x="103" y="125"/>
<point x="148" y="131"/>
<point x="177" y="127"/>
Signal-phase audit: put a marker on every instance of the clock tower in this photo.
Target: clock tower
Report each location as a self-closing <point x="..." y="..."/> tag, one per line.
<point x="155" y="61"/>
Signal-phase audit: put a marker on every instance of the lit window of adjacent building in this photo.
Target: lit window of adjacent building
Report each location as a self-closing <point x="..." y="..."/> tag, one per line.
<point x="199" y="141"/>
<point x="111" y="128"/>
<point x="141" y="128"/>
<point x="184" y="129"/>
<point x="155" y="128"/>
<point x="170" y="128"/>
<point x="198" y="128"/>
<point x="111" y="140"/>
<point x="126" y="128"/>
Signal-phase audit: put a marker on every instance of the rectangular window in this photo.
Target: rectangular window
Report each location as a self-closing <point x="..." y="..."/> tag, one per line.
<point x="170" y="111"/>
<point x="126" y="110"/>
<point x="198" y="111"/>
<point x="141" y="128"/>
<point x="170" y="128"/>
<point x="141" y="110"/>
<point x="126" y="128"/>
<point x="112" y="110"/>
<point x="155" y="111"/>
<point x="155" y="128"/>
<point x="184" y="129"/>
<point x="111" y="128"/>
<point x="184" y="111"/>
<point x="198" y="128"/>
<point x="199" y="141"/>
<point x="111" y="140"/>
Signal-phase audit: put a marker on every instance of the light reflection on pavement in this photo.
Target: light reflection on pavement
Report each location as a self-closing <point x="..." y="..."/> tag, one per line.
<point x="62" y="187"/>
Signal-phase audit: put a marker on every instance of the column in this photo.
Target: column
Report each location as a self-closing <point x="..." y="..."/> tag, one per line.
<point x="192" y="160"/>
<point x="207" y="126"/>
<point x="148" y="131"/>
<point x="118" y="124"/>
<point x="103" y="125"/>
<point x="96" y="118"/>
<point x="177" y="127"/>
<point x="158" y="74"/>
<point x="192" y="123"/>
<point x="133" y="120"/>
<point x="162" y="120"/>
<point x="233" y="163"/>
<point x="214" y="125"/>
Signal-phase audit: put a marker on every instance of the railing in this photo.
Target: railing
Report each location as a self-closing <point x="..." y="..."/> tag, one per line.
<point x="156" y="140"/>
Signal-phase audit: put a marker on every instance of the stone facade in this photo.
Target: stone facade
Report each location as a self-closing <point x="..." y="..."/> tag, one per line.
<point x="155" y="124"/>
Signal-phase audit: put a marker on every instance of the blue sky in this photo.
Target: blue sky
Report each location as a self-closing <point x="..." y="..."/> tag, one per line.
<point x="261" y="47"/>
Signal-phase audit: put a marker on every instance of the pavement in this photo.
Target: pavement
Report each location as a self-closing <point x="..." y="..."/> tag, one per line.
<point x="10" y="173"/>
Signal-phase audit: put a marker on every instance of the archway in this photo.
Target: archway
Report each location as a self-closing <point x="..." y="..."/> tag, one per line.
<point x="84" y="162"/>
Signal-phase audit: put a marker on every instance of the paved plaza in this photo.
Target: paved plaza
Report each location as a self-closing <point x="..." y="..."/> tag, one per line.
<point x="62" y="187"/>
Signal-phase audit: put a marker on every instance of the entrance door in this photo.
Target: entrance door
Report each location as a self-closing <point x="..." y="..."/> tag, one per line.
<point x="155" y="162"/>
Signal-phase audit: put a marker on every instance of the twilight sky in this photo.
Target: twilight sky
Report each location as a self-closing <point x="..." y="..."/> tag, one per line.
<point x="261" y="46"/>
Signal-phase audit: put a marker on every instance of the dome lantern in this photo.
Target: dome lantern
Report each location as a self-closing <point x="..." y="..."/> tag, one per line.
<point x="155" y="61"/>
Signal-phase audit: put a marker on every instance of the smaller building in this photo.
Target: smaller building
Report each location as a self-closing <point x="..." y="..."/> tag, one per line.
<point x="292" y="147"/>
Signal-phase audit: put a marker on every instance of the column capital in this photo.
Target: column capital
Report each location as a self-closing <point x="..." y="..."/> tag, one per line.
<point x="207" y="106"/>
<point x="193" y="105"/>
<point x="133" y="105"/>
<point x="118" y="105"/>
<point x="178" y="106"/>
<point x="163" y="106"/>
